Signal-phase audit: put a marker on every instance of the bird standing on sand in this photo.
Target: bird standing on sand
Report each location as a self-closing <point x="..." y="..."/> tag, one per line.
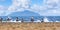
<point x="42" y="20"/>
<point x="32" y="19"/>
<point x="1" y="19"/>
<point x="22" y="20"/>
<point x="17" y="19"/>
<point x="9" y="18"/>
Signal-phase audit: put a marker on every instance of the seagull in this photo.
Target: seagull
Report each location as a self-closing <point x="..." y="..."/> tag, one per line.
<point x="46" y="20"/>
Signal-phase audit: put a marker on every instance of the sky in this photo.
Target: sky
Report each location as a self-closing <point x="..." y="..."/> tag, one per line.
<point x="42" y="7"/>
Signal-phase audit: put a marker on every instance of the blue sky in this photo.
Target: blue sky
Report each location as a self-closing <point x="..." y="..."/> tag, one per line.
<point x="43" y="7"/>
<point x="39" y="2"/>
<point x="6" y="2"/>
<point x="9" y="2"/>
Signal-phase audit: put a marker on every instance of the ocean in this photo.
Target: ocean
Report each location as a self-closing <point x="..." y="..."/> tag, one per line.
<point x="28" y="18"/>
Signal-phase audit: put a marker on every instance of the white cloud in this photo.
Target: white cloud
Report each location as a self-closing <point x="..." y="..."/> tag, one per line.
<point x="52" y="3"/>
<point x="12" y="8"/>
<point x="17" y="4"/>
<point x="35" y="8"/>
<point x="2" y="7"/>
<point x="2" y="10"/>
<point x="48" y="7"/>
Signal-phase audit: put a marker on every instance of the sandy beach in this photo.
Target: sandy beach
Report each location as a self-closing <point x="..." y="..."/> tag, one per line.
<point x="30" y="26"/>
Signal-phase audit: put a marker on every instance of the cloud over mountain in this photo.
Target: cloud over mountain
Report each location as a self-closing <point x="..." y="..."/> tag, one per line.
<point x="47" y="8"/>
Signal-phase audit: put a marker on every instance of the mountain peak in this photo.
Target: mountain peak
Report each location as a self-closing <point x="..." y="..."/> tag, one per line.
<point x="24" y="13"/>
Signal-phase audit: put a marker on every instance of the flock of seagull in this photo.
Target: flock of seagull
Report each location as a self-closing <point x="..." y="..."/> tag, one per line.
<point x="32" y="20"/>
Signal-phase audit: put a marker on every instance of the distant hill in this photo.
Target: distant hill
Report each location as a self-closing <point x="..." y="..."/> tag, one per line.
<point x="24" y="13"/>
